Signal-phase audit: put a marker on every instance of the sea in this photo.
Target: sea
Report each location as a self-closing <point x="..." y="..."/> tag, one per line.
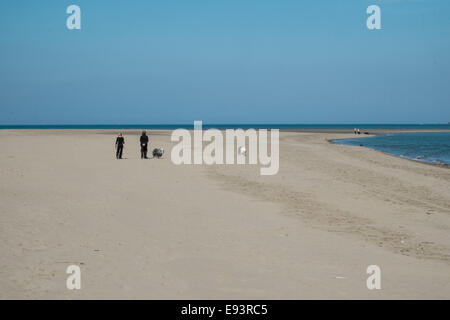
<point x="236" y="126"/>
<point x="432" y="147"/>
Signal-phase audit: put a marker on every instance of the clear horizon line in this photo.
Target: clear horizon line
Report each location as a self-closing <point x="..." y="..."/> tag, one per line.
<point x="227" y="123"/>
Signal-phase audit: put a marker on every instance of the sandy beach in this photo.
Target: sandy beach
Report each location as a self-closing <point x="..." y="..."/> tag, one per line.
<point x="148" y="229"/>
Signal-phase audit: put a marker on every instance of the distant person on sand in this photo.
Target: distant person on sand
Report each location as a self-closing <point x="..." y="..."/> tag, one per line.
<point x="144" y="143"/>
<point x="120" y="142"/>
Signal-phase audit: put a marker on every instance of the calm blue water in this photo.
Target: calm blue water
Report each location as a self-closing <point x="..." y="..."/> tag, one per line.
<point x="364" y="127"/>
<point x="431" y="147"/>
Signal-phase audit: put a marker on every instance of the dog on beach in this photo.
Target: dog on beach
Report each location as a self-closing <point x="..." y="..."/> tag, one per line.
<point x="158" y="152"/>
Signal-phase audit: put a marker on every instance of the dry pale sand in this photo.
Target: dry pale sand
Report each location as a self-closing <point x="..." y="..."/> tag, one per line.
<point x="150" y="229"/>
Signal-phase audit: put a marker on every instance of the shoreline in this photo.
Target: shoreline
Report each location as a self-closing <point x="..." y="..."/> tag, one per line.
<point x="220" y="127"/>
<point x="441" y="165"/>
<point x="163" y="132"/>
<point x="374" y="132"/>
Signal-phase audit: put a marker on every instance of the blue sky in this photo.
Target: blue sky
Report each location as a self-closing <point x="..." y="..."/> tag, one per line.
<point x="261" y="61"/>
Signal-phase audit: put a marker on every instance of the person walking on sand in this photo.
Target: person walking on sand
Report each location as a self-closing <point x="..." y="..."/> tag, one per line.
<point x="120" y="142"/>
<point x="144" y="143"/>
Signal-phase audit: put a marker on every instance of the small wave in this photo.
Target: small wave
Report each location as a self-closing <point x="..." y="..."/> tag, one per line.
<point x="437" y="161"/>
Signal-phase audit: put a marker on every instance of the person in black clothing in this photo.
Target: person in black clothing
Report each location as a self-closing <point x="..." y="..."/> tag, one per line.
<point x="120" y="142"/>
<point x="144" y="143"/>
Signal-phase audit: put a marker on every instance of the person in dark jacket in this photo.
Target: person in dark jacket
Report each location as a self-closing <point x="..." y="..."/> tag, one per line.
<point x="120" y="142"/>
<point x="144" y="145"/>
